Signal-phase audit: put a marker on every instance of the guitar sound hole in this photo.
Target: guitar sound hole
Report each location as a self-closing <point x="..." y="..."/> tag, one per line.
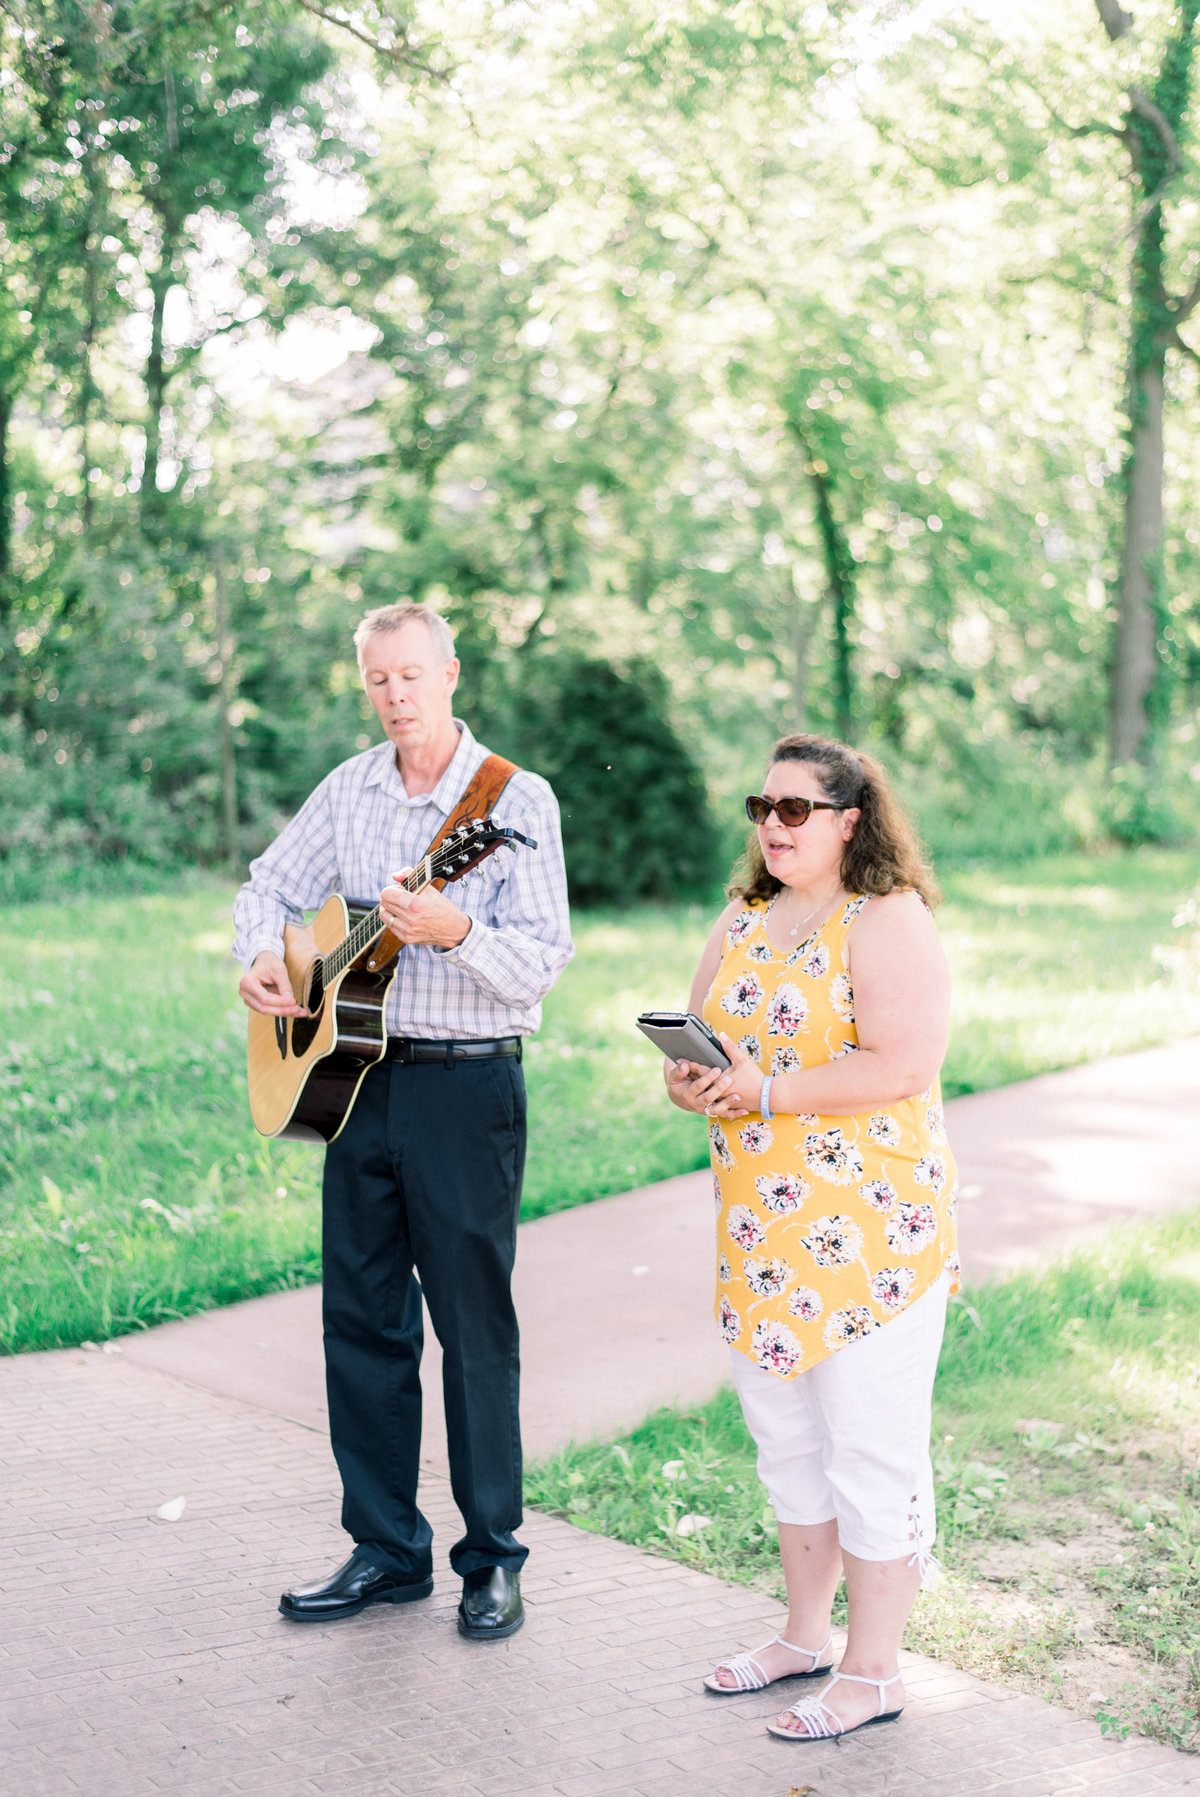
<point x="304" y="1029"/>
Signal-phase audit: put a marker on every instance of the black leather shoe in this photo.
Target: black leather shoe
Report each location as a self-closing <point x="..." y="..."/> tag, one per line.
<point x="350" y="1589"/>
<point x="491" y="1606"/>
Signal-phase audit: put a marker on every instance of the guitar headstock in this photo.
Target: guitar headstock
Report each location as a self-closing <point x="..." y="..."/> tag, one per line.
<point x="472" y="843"/>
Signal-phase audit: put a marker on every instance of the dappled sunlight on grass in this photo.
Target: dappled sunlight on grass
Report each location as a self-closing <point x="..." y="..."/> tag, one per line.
<point x="122" y="1078"/>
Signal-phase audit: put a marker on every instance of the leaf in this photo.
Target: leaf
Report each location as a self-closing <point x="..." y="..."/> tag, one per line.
<point x="54" y="1197"/>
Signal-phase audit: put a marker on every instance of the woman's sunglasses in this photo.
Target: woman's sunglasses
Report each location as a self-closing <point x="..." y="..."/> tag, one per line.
<point x="790" y="812"/>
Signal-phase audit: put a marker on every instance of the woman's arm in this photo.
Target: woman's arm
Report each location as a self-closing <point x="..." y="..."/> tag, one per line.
<point x="692" y="1087"/>
<point x="902" y="1016"/>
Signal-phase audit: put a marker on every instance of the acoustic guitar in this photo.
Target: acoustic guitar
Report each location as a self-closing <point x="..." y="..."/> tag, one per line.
<point x="304" y="1072"/>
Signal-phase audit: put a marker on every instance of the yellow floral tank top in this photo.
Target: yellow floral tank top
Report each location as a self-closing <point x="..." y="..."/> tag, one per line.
<point x="826" y="1226"/>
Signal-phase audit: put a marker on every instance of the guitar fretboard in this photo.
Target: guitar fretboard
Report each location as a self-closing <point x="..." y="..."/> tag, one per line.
<point x="372" y="925"/>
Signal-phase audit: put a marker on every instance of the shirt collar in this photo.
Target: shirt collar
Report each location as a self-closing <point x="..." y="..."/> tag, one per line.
<point x="450" y="787"/>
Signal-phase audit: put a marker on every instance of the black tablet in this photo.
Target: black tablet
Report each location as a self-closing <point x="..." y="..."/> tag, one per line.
<point x="683" y="1037"/>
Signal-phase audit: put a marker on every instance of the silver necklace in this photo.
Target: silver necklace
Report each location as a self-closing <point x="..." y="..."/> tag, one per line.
<point x="821" y="903"/>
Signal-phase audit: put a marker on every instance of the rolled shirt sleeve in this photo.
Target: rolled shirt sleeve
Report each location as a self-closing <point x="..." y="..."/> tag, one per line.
<point x="293" y="876"/>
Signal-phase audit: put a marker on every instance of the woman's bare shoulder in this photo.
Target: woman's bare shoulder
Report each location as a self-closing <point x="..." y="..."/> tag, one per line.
<point x="894" y="914"/>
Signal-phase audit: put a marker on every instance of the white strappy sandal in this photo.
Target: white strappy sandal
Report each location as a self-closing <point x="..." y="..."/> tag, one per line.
<point x="749" y="1676"/>
<point x="820" y="1722"/>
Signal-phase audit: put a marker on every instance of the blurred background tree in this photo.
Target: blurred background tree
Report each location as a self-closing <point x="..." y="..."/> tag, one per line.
<point x="715" y="372"/>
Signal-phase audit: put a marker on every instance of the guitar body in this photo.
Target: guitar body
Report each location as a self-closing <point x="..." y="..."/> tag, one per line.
<point x="304" y="1072"/>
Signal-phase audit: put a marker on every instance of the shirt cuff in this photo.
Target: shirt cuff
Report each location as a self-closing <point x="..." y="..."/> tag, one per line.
<point x="466" y="952"/>
<point x="260" y="945"/>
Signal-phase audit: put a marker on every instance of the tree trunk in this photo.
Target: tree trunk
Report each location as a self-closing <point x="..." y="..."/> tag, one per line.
<point x="800" y="638"/>
<point x="226" y="695"/>
<point x="1135" y="651"/>
<point x="839" y="580"/>
<point x="840" y="588"/>
<point x="156" y="388"/>
<point x="1138" y="694"/>
<point x="5" y="511"/>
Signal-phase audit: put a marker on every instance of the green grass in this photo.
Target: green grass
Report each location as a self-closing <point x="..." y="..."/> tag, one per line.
<point x="133" y="1188"/>
<point x="1071" y="1543"/>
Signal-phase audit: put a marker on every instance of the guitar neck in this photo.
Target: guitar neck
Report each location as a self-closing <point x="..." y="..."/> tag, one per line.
<point x="369" y="928"/>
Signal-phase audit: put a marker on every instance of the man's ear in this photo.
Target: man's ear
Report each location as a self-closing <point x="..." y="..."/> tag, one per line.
<point x="453" y="667"/>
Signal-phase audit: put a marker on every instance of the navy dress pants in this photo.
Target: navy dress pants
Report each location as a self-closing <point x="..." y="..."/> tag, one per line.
<point x="426" y="1175"/>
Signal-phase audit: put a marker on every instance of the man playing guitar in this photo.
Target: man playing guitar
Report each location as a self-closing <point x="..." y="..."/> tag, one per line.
<point x="426" y="1172"/>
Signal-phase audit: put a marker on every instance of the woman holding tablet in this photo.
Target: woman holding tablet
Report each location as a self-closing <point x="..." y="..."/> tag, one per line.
<point x="836" y="1194"/>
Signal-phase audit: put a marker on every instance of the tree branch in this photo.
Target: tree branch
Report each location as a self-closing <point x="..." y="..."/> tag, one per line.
<point x="1115" y="20"/>
<point x="1141" y="102"/>
<point x="400" y="51"/>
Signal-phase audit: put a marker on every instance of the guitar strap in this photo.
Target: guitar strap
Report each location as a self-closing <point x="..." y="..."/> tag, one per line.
<point x="482" y="792"/>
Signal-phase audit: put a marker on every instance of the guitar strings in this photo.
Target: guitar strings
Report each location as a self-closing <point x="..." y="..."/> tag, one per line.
<point x="370" y="926"/>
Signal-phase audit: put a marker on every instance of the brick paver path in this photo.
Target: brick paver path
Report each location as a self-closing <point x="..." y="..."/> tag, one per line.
<point x="139" y="1657"/>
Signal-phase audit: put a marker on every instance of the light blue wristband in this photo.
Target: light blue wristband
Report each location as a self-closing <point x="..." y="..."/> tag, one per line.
<point x="764" y="1100"/>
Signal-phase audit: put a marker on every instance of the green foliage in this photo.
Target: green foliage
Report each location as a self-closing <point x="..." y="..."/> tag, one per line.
<point x="635" y="812"/>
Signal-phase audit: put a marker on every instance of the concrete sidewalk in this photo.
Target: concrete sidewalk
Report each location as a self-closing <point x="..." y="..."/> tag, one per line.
<point x="138" y="1656"/>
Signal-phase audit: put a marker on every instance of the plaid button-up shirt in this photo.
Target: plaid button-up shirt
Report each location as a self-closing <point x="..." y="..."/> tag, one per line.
<point x="360" y="827"/>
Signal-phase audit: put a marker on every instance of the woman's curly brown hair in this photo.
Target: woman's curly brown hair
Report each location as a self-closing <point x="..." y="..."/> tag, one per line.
<point x="884" y="853"/>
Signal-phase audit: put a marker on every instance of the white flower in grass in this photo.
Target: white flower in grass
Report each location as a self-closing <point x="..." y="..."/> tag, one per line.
<point x="777" y="1349"/>
<point x="766" y="1278"/>
<point x="930" y="1170"/>
<point x="831" y="1157"/>
<point x="744" y="1228"/>
<point x="850" y="1324"/>
<point x="782" y="1192"/>
<point x="788" y="1011"/>
<point x="833" y="1241"/>
<point x="755" y="1138"/>
<point x="911" y="1228"/>
<point x="891" y="1286"/>
<point x="692" y="1525"/>
<point x="806" y="1304"/>
<point x="743" y="998"/>
<point x="883" y="1129"/>
<point x="880" y="1194"/>
<point x="671" y="1469"/>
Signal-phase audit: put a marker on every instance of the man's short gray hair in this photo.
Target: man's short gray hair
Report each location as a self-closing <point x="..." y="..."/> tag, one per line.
<point x="387" y="618"/>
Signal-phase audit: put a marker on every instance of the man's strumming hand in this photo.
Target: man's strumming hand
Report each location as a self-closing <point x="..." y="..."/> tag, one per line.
<point x="266" y="987"/>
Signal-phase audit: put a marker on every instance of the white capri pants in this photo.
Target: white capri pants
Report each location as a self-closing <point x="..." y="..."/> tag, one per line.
<point x="848" y="1441"/>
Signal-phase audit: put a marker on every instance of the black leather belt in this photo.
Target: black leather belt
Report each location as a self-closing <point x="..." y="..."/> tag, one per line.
<point x="409" y="1049"/>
